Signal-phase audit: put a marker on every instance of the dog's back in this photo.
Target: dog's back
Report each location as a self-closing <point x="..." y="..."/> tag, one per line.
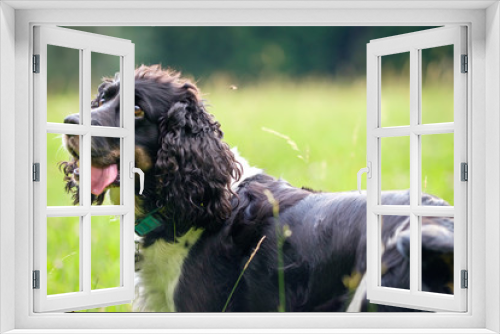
<point x="321" y="236"/>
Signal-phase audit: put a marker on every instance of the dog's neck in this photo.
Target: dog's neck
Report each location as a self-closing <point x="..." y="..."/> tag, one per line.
<point x="177" y="230"/>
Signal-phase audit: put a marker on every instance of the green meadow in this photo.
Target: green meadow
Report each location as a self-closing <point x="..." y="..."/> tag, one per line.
<point x="310" y="132"/>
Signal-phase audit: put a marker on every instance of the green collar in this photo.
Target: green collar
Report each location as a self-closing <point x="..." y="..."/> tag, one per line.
<point x="147" y="224"/>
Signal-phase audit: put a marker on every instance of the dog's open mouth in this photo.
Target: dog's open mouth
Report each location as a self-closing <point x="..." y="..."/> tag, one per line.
<point x="105" y="169"/>
<point x="103" y="177"/>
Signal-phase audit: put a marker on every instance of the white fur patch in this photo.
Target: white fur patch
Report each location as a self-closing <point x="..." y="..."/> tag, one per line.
<point x="160" y="269"/>
<point x="248" y="171"/>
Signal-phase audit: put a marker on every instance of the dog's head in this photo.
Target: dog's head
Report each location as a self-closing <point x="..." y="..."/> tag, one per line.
<point x="178" y="144"/>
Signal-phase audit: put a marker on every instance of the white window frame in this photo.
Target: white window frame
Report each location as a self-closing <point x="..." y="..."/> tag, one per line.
<point x="86" y="44"/>
<point x="414" y="43"/>
<point x="483" y="21"/>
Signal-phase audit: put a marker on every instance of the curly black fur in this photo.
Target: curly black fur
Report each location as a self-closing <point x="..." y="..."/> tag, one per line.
<point x="192" y="171"/>
<point x="194" y="166"/>
<point x="71" y="187"/>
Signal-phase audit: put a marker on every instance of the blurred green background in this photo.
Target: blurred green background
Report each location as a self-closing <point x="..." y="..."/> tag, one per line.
<point x="292" y="99"/>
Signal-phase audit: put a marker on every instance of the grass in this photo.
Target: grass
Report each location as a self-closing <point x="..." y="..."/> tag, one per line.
<point x="242" y="273"/>
<point x="310" y="132"/>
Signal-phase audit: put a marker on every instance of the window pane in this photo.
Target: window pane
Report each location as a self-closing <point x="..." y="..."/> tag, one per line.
<point x="105" y="251"/>
<point x="437" y="167"/>
<point x="395" y="164"/>
<point x="105" y="170"/>
<point x="395" y="260"/>
<point x="63" y="255"/>
<point x="437" y="254"/>
<point x="437" y="84"/>
<point x="63" y="84"/>
<point x="63" y="169"/>
<point x="105" y="70"/>
<point x="395" y="90"/>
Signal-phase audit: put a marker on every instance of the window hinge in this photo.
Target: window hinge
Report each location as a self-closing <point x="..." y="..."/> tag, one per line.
<point x="36" y="172"/>
<point x="464" y="171"/>
<point x="36" y="279"/>
<point x="36" y="63"/>
<point x="465" y="64"/>
<point x="465" y="279"/>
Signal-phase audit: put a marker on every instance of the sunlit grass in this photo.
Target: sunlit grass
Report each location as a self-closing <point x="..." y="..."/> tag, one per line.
<point x="326" y="122"/>
<point x="63" y="255"/>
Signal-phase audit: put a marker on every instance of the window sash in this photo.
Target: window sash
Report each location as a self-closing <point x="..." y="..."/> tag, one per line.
<point x="86" y="43"/>
<point x="413" y="43"/>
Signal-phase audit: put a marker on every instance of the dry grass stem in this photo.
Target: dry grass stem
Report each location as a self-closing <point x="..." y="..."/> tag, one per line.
<point x="289" y="140"/>
<point x="242" y="272"/>
<point x="253" y="253"/>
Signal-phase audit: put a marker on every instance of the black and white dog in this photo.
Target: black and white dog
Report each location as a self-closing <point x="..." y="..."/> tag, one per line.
<point x="205" y="210"/>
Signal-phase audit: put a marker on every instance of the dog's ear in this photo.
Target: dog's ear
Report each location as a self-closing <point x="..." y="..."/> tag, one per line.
<point x="194" y="166"/>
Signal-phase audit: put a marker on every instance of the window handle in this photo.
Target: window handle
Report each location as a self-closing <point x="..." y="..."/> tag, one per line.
<point x="368" y="171"/>
<point x="141" y="176"/>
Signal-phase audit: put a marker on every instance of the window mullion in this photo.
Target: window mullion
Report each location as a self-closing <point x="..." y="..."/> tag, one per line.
<point x="127" y="156"/>
<point x="405" y="210"/>
<point x="414" y="169"/>
<point x="85" y="157"/>
<point x="85" y="183"/>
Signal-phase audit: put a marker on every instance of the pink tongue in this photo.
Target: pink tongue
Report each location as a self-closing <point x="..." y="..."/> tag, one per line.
<point x="102" y="177"/>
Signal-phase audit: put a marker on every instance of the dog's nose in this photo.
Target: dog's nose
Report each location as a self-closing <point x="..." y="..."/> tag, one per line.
<point x="72" y="119"/>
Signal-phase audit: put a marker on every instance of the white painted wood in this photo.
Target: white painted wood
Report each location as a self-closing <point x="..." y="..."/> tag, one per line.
<point x="40" y="156"/>
<point x="437" y="128"/>
<point x="7" y="167"/>
<point x="247" y="4"/>
<point x="85" y="183"/>
<point x="492" y="186"/>
<point x="405" y="210"/>
<point x="127" y="196"/>
<point x="184" y="14"/>
<point x="80" y="300"/>
<point x="413" y="43"/>
<point x="372" y="157"/>
<point x="85" y="137"/>
<point x="219" y="330"/>
<point x="415" y="260"/>
<point x="98" y="131"/>
<point x="419" y="129"/>
<point x="394" y="131"/>
<point x="75" y="39"/>
<point x="424" y="39"/>
<point x="95" y="210"/>
<point x="460" y="155"/>
<point x="86" y="43"/>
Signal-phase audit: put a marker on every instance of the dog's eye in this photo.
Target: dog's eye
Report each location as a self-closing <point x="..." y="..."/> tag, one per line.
<point x="139" y="113"/>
